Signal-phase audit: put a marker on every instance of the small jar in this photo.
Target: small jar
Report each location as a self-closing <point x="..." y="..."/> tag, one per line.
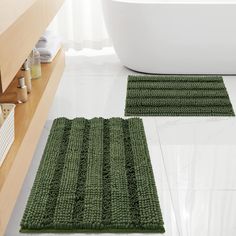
<point x="22" y="95"/>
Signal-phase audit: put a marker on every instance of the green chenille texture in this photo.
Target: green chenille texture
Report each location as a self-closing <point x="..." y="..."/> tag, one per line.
<point x="177" y="96"/>
<point x="95" y="176"/>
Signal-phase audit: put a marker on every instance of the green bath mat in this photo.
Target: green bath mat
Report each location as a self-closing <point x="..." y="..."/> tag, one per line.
<point x="177" y="96"/>
<point x="95" y="176"/>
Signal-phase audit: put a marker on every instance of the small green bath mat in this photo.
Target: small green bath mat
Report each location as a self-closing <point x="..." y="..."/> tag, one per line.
<point x="95" y="176"/>
<point x="177" y="96"/>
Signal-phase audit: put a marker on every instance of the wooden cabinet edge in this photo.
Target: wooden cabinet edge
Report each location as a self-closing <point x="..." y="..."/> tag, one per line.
<point x="12" y="186"/>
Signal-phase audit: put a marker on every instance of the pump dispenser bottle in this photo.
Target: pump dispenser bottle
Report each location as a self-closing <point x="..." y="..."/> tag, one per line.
<point x="27" y="75"/>
<point x="1" y="116"/>
<point x="21" y="91"/>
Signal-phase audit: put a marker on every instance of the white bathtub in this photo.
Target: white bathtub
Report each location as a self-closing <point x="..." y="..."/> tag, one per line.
<point x="174" y="37"/>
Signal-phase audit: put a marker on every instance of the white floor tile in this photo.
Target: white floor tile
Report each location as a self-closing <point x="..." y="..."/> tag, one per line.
<point x="200" y="166"/>
<point x="94" y="63"/>
<point x="193" y="131"/>
<point x="205" y="213"/>
<point x="90" y="96"/>
<point x="230" y="83"/>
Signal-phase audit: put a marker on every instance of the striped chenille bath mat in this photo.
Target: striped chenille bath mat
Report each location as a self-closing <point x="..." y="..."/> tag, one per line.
<point x="95" y="176"/>
<point x="177" y="96"/>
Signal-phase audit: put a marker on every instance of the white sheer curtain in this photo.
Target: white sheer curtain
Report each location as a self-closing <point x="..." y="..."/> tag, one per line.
<point x="80" y="24"/>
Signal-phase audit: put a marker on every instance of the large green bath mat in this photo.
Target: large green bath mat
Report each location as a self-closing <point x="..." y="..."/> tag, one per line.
<point x="177" y="96"/>
<point x="95" y="176"/>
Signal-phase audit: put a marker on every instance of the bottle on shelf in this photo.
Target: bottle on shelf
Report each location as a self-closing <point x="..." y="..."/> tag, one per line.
<point x="22" y="95"/>
<point x="26" y="73"/>
<point x="1" y="116"/>
<point x="35" y="64"/>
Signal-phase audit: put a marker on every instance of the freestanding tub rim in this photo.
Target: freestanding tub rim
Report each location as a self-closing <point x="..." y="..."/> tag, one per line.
<point x="173" y="36"/>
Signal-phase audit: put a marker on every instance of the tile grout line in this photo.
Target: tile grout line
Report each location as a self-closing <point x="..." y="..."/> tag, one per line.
<point x="167" y="178"/>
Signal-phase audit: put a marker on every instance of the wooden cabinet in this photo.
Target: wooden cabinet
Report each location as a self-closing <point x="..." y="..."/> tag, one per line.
<point x="21" y="24"/>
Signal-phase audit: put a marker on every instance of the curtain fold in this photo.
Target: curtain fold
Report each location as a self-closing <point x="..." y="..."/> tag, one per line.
<point x="81" y="25"/>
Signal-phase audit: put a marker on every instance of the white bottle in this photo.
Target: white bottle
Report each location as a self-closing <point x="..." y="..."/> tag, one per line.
<point x="26" y="73"/>
<point x="1" y="116"/>
<point x="22" y="95"/>
<point x="35" y="64"/>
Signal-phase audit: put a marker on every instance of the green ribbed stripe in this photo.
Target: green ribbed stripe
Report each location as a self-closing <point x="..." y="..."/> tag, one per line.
<point x="119" y="185"/>
<point x="177" y="96"/>
<point x="131" y="176"/>
<point x="65" y="201"/>
<point x="183" y="111"/>
<point x="94" y="177"/>
<point x="78" y="211"/>
<point x="56" y="180"/>
<point x="34" y="216"/>
<point x="174" y="78"/>
<point x="177" y="85"/>
<point x="158" y="93"/>
<point x="146" y="189"/>
<point x="94" y="180"/>
<point x="106" y="176"/>
<point x="178" y="102"/>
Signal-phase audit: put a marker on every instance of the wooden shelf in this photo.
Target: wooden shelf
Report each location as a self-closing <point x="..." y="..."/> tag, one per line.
<point x="30" y="118"/>
<point x="21" y="24"/>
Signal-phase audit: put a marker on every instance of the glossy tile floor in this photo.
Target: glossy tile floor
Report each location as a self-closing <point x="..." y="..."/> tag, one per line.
<point x="194" y="159"/>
